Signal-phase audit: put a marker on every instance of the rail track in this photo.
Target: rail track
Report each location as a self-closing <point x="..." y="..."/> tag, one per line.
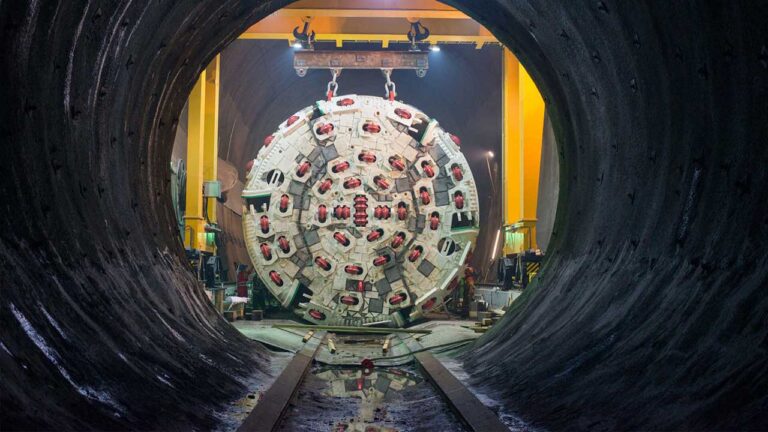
<point x="268" y="414"/>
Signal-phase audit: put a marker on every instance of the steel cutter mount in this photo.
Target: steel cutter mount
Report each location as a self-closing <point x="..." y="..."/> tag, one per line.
<point x="360" y="211"/>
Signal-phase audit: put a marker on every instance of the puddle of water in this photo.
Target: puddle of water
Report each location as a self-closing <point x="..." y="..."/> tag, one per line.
<point x="386" y="400"/>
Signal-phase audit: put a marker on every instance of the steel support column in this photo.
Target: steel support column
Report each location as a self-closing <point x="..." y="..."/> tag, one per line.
<point x="523" y="118"/>
<point x="202" y="154"/>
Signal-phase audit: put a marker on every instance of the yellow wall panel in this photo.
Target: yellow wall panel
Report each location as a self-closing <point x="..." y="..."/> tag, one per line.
<point x="523" y="118"/>
<point x="511" y="138"/>
<point x="533" y="128"/>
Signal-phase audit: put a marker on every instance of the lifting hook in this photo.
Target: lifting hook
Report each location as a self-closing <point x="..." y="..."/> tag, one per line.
<point x="306" y="38"/>
<point x="417" y="33"/>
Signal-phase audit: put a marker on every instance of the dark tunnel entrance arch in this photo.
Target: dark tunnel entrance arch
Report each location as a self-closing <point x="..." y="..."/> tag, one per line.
<point x="642" y="306"/>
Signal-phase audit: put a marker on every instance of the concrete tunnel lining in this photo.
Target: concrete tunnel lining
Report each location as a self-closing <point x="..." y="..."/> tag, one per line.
<point x="649" y="312"/>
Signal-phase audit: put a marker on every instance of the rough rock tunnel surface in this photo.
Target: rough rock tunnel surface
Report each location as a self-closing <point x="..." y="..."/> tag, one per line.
<point x="650" y="312"/>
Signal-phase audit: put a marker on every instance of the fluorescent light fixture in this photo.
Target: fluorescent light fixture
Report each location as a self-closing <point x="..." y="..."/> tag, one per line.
<point x="434" y="48"/>
<point x="495" y="245"/>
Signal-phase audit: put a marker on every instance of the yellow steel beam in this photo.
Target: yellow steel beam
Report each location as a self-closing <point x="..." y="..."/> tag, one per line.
<point x="202" y="153"/>
<point x="194" y="223"/>
<point x="383" y="5"/>
<point x="371" y="21"/>
<point x="372" y="13"/>
<point x="511" y="139"/>
<point x="277" y="23"/>
<point x="211" y="152"/>
<point x="384" y="39"/>
<point x="523" y="118"/>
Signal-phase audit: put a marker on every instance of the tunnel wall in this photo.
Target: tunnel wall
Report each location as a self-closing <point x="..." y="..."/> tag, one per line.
<point x="650" y="310"/>
<point x="102" y="325"/>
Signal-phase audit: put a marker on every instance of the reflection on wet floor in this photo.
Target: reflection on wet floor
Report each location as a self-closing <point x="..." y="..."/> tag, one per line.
<point x="336" y="395"/>
<point x="382" y="400"/>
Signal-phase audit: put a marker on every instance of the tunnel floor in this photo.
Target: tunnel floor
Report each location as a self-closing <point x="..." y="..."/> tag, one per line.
<point x="341" y="393"/>
<point x="386" y="399"/>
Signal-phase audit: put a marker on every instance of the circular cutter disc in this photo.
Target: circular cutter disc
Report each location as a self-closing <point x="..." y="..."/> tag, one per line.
<point x="360" y="211"/>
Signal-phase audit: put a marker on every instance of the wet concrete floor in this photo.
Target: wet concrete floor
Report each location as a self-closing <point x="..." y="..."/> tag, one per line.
<point x="383" y="399"/>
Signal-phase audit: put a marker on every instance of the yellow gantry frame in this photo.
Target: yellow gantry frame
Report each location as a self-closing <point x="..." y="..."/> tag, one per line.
<point x="523" y="106"/>
<point x="523" y="119"/>
<point x="384" y="39"/>
<point x="202" y="157"/>
<point x="382" y="21"/>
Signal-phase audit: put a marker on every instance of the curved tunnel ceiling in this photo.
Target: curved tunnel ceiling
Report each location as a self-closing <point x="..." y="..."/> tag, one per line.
<point x="649" y="313"/>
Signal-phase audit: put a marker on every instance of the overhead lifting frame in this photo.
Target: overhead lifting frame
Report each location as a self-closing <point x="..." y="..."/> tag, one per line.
<point x="375" y="22"/>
